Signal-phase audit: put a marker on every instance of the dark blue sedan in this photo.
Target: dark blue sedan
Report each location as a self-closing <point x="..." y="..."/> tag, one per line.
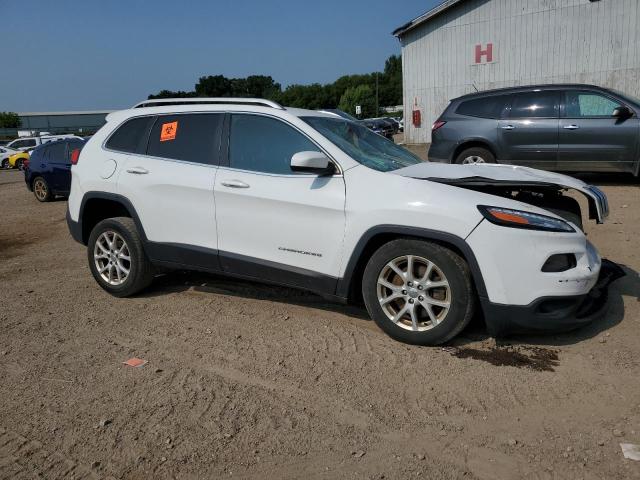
<point x="48" y="171"/>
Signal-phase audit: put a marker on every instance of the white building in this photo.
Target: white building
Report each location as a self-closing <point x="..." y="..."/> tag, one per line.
<point x="464" y="45"/>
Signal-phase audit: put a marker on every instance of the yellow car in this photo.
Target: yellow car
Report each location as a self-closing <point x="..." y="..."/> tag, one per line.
<point x="17" y="160"/>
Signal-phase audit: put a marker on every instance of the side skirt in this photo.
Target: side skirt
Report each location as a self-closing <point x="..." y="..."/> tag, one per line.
<point x="187" y="257"/>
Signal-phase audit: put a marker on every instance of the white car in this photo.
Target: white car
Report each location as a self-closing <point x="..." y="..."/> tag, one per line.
<point x="26" y="144"/>
<point x="5" y="153"/>
<point x="306" y="199"/>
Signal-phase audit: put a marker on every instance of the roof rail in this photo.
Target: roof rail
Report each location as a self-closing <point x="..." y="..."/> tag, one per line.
<point x="157" y="102"/>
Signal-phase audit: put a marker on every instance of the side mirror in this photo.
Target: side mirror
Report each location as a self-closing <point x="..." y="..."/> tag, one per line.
<point x="621" y="112"/>
<point x="311" y="162"/>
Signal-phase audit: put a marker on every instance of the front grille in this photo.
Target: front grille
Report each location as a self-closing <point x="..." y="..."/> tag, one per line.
<point x="601" y="199"/>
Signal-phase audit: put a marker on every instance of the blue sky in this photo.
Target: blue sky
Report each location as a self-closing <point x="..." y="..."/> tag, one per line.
<point x="96" y="54"/>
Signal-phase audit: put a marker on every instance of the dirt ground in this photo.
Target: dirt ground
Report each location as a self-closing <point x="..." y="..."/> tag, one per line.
<point x="252" y="381"/>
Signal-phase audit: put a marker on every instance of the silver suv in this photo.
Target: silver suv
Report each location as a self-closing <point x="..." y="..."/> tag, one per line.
<point x="553" y="127"/>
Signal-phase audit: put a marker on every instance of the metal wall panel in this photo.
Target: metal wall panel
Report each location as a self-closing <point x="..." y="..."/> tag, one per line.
<point x="534" y="41"/>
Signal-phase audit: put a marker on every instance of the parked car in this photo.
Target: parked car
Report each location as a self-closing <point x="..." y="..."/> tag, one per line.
<point x="29" y="143"/>
<point x="17" y="160"/>
<point x="5" y="153"/>
<point x="248" y="188"/>
<point x="554" y="127"/>
<point x="401" y="124"/>
<point x="394" y="122"/>
<point x="47" y="173"/>
<point x="379" y="126"/>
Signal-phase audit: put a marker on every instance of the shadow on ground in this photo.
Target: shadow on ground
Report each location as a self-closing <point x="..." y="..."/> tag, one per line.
<point x="180" y="281"/>
<point x="611" y="314"/>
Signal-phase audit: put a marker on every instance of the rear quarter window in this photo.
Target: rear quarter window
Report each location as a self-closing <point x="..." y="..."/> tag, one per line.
<point x="486" y="107"/>
<point x="56" y="152"/>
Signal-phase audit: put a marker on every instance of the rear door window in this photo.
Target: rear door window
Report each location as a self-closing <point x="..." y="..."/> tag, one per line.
<point x="131" y="136"/>
<point x="56" y="152"/>
<point x="264" y="144"/>
<point x="487" y="107"/>
<point x="543" y="104"/>
<point x="193" y="137"/>
<point x="588" y="104"/>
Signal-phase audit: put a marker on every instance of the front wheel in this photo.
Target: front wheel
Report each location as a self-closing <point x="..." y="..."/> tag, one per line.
<point x="418" y="292"/>
<point x="20" y="164"/>
<point x="117" y="259"/>
<point x="5" y="164"/>
<point x="475" y="155"/>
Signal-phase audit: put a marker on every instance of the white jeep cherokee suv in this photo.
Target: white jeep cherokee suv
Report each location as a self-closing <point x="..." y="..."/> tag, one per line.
<point x="248" y="188"/>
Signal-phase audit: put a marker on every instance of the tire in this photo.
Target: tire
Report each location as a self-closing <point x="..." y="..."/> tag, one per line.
<point x="5" y="164"/>
<point x="475" y="155"/>
<point x="140" y="270"/>
<point x="19" y="164"/>
<point x="448" y="266"/>
<point x="41" y="189"/>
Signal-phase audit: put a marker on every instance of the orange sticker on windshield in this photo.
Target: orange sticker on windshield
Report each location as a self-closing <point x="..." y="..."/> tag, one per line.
<point x="168" y="131"/>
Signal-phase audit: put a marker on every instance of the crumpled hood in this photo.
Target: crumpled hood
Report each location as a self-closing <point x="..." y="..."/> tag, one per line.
<point x="507" y="175"/>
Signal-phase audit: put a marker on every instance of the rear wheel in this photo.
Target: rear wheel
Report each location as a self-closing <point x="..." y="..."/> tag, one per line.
<point x="117" y="259"/>
<point x="5" y="164"/>
<point x="19" y="164"/>
<point x="418" y="292"/>
<point x="41" y="190"/>
<point x="475" y="155"/>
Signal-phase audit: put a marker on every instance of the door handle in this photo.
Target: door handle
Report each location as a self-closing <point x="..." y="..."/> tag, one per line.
<point x="234" y="184"/>
<point x="571" y="127"/>
<point x="508" y="127"/>
<point x="138" y="170"/>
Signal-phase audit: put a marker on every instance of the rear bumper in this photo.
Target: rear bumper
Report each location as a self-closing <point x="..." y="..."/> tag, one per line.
<point x="27" y="179"/>
<point x="552" y="314"/>
<point x="75" y="228"/>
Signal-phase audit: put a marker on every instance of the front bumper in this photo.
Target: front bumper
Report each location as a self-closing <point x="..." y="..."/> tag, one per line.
<point x="552" y="314"/>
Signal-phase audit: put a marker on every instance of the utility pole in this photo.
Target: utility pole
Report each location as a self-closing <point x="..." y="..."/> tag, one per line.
<point x="377" y="104"/>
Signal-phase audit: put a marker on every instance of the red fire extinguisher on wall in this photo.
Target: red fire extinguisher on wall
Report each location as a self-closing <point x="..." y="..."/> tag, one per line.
<point x="416" y="118"/>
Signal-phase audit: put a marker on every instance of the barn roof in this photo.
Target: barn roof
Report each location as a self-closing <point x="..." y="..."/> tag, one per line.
<point x="425" y="17"/>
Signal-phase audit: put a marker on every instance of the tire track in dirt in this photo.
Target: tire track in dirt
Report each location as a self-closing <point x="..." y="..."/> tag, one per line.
<point x="21" y="457"/>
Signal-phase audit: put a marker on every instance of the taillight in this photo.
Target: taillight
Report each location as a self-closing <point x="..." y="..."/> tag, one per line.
<point x="437" y="124"/>
<point x="75" y="154"/>
<point x="25" y="163"/>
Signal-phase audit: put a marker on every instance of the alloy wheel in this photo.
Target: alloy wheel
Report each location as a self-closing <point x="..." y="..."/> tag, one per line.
<point x="40" y="189"/>
<point x="472" y="160"/>
<point x="112" y="258"/>
<point x="414" y="293"/>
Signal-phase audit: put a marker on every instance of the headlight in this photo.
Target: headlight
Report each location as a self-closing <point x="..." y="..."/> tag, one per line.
<point x="519" y="219"/>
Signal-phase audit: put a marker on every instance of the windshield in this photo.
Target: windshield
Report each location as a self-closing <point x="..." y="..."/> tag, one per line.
<point x="361" y="144"/>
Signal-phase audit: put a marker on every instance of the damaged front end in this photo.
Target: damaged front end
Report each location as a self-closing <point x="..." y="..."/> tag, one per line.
<point x="561" y="282"/>
<point x="536" y="187"/>
<point x="552" y="314"/>
<point x="551" y="197"/>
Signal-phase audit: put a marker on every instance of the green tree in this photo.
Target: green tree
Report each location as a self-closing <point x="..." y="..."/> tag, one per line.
<point x="314" y="96"/>
<point x="171" y="94"/>
<point x="390" y="87"/>
<point x="361" y="95"/>
<point x="214" y="86"/>
<point x="9" y="120"/>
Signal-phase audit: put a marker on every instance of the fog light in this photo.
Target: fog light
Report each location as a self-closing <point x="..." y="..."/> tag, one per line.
<point x="560" y="262"/>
